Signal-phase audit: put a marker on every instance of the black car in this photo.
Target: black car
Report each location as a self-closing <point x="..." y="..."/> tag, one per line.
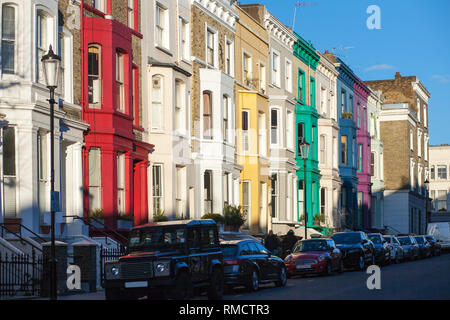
<point x="410" y="247"/>
<point x="356" y="248"/>
<point x="249" y="263"/>
<point x="382" y="249"/>
<point x="172" y="258"/>
<point x="424" y="246"/>
<point x="435" y="246"/>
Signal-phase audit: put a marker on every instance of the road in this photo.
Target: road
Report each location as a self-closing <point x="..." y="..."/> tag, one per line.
<point x="422" y="279"/>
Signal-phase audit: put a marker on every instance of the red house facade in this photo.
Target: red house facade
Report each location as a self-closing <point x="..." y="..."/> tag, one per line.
<point x="115" y="159"/>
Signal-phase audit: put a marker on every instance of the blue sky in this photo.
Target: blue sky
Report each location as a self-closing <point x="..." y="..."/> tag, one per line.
<point x="414" y="39"/>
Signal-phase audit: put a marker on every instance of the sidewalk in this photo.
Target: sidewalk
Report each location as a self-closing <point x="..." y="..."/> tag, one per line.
<point x="99" y="295"/>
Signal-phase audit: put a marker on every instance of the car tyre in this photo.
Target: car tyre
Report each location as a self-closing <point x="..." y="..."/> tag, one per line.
<point x="361" y="263"/>
<point x="215" y="290"/>
<point x="253" y="284"/>
<point x="328" y="270"/>
<point x="183" y="289"/>
<point x="282" y="277"/>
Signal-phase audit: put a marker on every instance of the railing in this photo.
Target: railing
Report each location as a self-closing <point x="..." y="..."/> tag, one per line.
<point x="20" y="275"/>
<point x="3" y="227"/>
<point x="107" y="254"/>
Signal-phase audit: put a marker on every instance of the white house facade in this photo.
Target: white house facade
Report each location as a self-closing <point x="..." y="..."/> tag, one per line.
<point x="439" y="187"/>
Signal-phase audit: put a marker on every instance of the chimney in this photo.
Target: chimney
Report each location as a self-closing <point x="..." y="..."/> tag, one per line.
<point x="397" y="76"/>
<point x="326" y="51"/>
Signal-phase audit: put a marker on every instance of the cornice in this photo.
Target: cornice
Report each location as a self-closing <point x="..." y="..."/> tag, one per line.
<point x="420" y="90"/>
<point x="224" y="11"/>
<point x="306" y="52"/>
<point x="327" y="68"/>
<point x="279" y="31"/>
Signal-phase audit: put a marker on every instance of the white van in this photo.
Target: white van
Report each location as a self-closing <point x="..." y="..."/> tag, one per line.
<point x="441" y="231"/>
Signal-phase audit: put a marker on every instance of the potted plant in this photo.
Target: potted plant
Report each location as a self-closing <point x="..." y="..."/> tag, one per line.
<point x="347" y="115"/>
<point x="233" y="218"/>
<point x="125" y="221"/>
<point x="218" y="218"/>
<point x="97" y="218"/>
<point x="319" y="219"/>
<point x="159" y="216"/>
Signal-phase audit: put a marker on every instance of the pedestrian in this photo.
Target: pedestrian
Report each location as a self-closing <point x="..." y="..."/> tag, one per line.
<point x="288" y="242"/>
<point x="272" y="243"/>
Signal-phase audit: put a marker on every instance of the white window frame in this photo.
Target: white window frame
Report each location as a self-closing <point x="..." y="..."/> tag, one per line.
<point x="288" y="75"/>
<point x="184" y="36"/>
<point x="97" y="185"/>
<point x="159" y="196"/>
<point x="275" y="68"/>
<point x="120" y="82"/>
<point x="322" y="149"/>
<point x="278" y="128"/>
<point x="14" y="41"/>
<point x="130" y="12"/>
<point x="229" y="56"/>
<point x="290" y="130"/>
<point x="180" y="106"/>
<point x="162" y="29"/>
<point x="249" y="205"/>
<point x="100" y="5"/>
<point x="262" y="133"/>
<point x="262" y="77"/>
<point x="226" y="117"/>
<point x="157" y="103"/>
<point x="215" y="46"/>
<point x="121" y="199"/>
<point x="42" y="48"/>
<point x="97" y="80"/>
<point x="247" y="68"/>
<point x="246" y="143"/>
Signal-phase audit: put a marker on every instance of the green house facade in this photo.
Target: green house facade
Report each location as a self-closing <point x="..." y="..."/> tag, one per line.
<point x="306" y="117"/>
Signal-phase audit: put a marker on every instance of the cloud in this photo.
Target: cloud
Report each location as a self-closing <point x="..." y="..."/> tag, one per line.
<point x="443" y="78"/>
<point x="380" y="67"/>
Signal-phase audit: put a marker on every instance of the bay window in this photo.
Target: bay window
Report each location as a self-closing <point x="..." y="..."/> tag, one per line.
<point x="9" y="171"/>
<point x="120" y="88"/>
<point x="207" y="116"/>
<point x="245" y="129"/>
<point x="94" y="77"/>
<point x="95" y="179"/>
<point x="120" y="183"/>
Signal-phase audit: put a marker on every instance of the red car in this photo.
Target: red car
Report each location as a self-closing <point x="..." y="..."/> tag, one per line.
<point x="314" y="256"/>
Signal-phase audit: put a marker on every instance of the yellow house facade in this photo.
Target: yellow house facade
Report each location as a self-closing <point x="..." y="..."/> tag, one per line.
<point x="252" y="120"/>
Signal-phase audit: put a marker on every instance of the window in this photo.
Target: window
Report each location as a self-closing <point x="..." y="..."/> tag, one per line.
<point x="9" y="171"/>
<point x="246" y="202"/>
<point x="324" y="102"/>
<point x="313" y="143"/>
<point x="411" y="142"/>
<point x="354" y="152"/>
<point x="135" y="97"/>
<point x="300" y="135"/>
<point x="289" y="195"/>
<point x="275" y="68"/>
<point x="226" y="103"/>
<point x="210" y="47"/>
<point x="120" y="88"/>
<point x="8" y="39"/>
<point x="43" y="170"/>
<point x="372" y="164"/>
<point x="425" y="116"/>
<point x="42" y="36"/>
<point x="301" y="200"/>
<point x="226" y="189"/>
<point x="360" y="158"/>
<point x="419" y="143"/>
<point x="322" y="149"/>
<point x="247" y="69"/>
<point x="207" y="115"/>
<point x="301" y="85"/>
<point x="184" y="39"/>
<point x="323" y="194"/>
<point x="63" y="84"/>
<point x="180" y="98"/>
<point x="245" y="129"/>
<point x="157" y="188"/>
<point x="358" y="115"/>
<point x="157" y="101"/>
<point x="442" y="172"/>
<point x="131" y="23"/>
<point x="288" y="75"/>
<point x="344" y="147"/>
<point x="262" y="147"/>
<point x="161" y="26"/>
<point x="100" y="5"/>
<point x="274" y="203"/>
<point x="120" y="183"/>
<point x="418" y="110"/>
<point x="442" y="200"/>
<point x="95" y="179"/>
<point x="229" y="57"/>
<point x="343" y="107"/>
<point x="274" y="129"/>
<point x="432" y="173"/>
<point x="312" y="92"/>
<point x="351" y="104"/>
<point x="180" y="192"/>
<point x="262" y="77"/>
<point x="207" y="187"/>
<point x="289" y="130"/>
<point x="94" y="77"/>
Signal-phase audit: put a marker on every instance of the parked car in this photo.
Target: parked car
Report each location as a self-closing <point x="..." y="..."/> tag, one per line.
<point x="356" y="248"/>
<point x="410" y="247"/>
<point x="441" y="232"/>
<point x="168" y="257"/>
<point x="320" y="256"/>
<point x="396" y="250"/>
<point x="435" y="245"/>
<point x="231" y="235"/>
<point x="249" y="263"/>
<point x="382" y="249"/>
<point x="424" y="246"/>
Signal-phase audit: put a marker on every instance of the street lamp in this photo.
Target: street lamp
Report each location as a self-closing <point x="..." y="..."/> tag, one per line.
<point x="51" y="67"/>
<point x="303" y="150"/>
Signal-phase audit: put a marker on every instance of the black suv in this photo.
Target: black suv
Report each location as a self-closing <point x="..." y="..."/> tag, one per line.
<point x="357" y="250"/>
<point x="171" y="258"/>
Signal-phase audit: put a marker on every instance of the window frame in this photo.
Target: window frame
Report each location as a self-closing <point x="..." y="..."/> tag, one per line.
<point x="157" y="103"/>
<point x="10" y="40"/>
<point x="158" y="193"/>
<point x="97" y="77"/>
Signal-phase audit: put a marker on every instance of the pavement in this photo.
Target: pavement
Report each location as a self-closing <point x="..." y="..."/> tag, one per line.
<point x="422" y="279"/>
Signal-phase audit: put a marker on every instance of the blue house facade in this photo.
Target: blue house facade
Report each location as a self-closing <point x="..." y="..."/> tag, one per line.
<point x="347" y="142"/>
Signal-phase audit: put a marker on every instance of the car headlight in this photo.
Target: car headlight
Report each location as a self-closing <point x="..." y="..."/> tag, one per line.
<point x="162" y="269"/>
<point x="112" y="270"/>
<point x="115" y="270"/>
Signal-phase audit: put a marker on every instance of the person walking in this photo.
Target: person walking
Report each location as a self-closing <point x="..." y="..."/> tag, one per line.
<point x="272" y="243"/>
<point x="290" y="239"/>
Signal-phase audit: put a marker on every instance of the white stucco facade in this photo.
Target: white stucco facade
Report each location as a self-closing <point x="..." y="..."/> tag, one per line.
<point x="439" y="187"/>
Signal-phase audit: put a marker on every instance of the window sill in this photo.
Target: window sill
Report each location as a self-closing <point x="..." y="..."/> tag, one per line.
<point x="163" y="49"/>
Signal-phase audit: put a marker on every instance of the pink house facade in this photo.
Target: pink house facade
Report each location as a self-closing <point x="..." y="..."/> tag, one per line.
<point x="363" y="151"/>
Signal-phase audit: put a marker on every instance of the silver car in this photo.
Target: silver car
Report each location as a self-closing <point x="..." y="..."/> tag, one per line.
<point x="397" y="253"/>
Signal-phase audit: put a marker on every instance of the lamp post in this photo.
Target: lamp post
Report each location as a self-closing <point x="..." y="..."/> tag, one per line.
<point x="426" y="205"/>
<point x="51" y="67"/>
<point x="303" y="153"/>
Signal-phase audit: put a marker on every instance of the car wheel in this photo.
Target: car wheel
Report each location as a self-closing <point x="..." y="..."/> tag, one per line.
<point x="112" y="294"/>
<point x="328" y="270"/>
<point x="282" y="277"/>
<point x="361" y="263"/>
<point x="341" y="266"/>
<point x="253" y="284"/>
<point x="183" y="287"/>
<point x="215" y="290"/>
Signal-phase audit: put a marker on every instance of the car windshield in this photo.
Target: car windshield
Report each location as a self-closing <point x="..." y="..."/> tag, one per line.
<point x="345" y="238"/>
<point x="306" y="246"/>
<point x="229" y="251"/>
<point x="405" y="240"/>
<point x="156" y="239"/>
<point x="419" y="240"/>
<point x="375" y="238"/>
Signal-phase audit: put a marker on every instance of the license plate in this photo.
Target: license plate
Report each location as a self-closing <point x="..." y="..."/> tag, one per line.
<point x="304" y="266"/>
<point x="136" y="284"/>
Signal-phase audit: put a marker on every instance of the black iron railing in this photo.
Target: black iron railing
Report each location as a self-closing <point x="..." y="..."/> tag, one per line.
<point x="4" y="228"/>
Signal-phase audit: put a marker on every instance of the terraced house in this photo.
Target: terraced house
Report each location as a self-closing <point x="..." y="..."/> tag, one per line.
<point x="306" y="125"/>
<point x="328" y="148"/>
<point x="347" y="142"/>
<point x="213" y="113"/>
<point x="404" y="132"/>
<point x="252" y="118"/>
<point x="167" y="74"/>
